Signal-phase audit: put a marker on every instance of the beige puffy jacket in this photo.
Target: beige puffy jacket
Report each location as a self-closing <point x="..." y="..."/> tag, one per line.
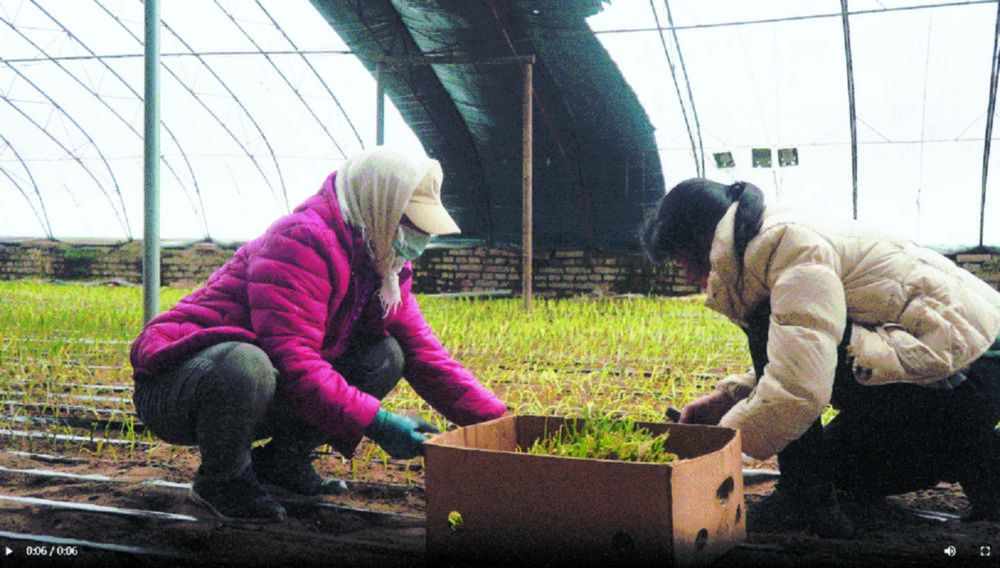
<point x="917" y="317"/>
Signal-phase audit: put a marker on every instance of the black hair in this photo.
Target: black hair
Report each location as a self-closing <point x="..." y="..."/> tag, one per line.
<point x="683" y="224"/>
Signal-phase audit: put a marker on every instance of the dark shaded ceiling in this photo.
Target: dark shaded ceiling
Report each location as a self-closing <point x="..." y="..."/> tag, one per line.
<point x="596" y="167"/>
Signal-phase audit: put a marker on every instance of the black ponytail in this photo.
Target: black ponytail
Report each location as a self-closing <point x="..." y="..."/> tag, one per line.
<point x="684" y="222"/>
<point x="749" y="216"/>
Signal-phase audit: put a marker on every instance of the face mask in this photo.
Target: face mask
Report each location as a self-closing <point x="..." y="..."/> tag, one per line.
<point x="411" y="243"/>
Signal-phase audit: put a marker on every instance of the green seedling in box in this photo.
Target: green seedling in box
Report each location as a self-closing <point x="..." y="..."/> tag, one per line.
<point x="455" y="521"/>
<point x="605" y="438"/>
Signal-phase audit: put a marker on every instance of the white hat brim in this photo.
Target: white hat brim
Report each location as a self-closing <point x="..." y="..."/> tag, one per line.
<point x="431" y="218"/>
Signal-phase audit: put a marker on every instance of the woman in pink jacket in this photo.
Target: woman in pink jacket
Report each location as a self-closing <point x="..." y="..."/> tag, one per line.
<point x="300" y="335"/>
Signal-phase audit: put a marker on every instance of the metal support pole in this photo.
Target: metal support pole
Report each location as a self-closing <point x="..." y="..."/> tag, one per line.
<point x="850" y="101"/>
<point x="526" y="164"/>
<point x="379" y="107"/>
<point x="991" y="106"/>
<point x="151" y="166"/>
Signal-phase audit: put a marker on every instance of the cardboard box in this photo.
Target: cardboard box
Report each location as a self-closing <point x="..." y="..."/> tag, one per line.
<point x="517" y="507"/>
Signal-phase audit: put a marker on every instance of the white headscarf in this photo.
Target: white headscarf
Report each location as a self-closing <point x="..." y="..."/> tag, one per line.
<point x="373" y="189"/>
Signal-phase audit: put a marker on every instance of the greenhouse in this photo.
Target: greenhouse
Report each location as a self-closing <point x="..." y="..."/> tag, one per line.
<point x="442" y="282"/>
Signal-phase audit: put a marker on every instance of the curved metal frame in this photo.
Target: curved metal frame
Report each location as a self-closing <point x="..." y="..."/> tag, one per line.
<point x="24" y="194"/>
<point x="118" y="115"/>
<point x="991" y="106"/>
<point x="239" y="103"/>
<point x="107" y="165"/>
<point x="110" y="56"/>
<point x="76" y="158"/>
<point x="798" y="18"/>
<point x="850" y="100"/>
<point x="314" y="71"/>
<point x="687" y="83"/>
<point x="198" y="99"/>
<point x="284" y="78"/>
<point x="46" y="224"/>
<point x="677" y="89"/>
<point x="116" y="75"/>
<point x="121" y="212"/>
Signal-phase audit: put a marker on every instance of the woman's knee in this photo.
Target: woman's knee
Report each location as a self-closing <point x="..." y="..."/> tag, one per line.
<point x="384" y="369"/>
<point x="394" y="357"/>
<point x="243" y="372"/>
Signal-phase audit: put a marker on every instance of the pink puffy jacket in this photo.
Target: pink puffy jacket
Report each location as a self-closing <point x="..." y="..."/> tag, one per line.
<point x="298" y="292"/>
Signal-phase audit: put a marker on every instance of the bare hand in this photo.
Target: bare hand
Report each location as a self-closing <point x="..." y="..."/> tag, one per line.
<point x="708" y="409"/>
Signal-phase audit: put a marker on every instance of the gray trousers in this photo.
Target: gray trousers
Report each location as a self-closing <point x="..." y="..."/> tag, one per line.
<point x="222" y="399"/>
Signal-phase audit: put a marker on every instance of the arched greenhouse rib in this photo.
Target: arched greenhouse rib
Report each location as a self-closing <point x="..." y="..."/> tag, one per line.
<point x="83" y="131"/>
<point x="123" y="222"/>
<point x="125" y="121"/>
<point x="991" y="108"/>
<point x="180" y="55"/>
<point x="43" y="219"/>
<point x="798" y="18"/>
<point x="687" y="83"/>
<point x="852" y="107"/>
<point x="239" y="103"/>
<point x="285" y="79"/>
<point x="699" y="169"/>
<point x="200" y="102"/>
<point x="464" y="125"/>
<point x="20" y="189"/>
<point x="316" y="74"/>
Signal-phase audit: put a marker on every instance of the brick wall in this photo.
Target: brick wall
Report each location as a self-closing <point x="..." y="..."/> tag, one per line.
<point x="557" y="273"/>
<point x="185" y="266"/>
<point x="983" y="265"/>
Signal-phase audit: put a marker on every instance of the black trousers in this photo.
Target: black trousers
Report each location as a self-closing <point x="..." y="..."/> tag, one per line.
<point x="894" y="438"/>
<point x="222" y="399"/>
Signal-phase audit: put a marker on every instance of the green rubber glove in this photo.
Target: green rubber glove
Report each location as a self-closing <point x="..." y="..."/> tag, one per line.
<point x="401" y="437"/>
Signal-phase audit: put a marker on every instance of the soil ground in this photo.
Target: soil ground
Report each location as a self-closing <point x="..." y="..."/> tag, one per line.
<point x="889" y="535"/>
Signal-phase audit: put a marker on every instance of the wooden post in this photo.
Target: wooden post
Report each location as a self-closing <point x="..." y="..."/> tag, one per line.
<point x="526" y="62"/>
<point x="526" y="141"/>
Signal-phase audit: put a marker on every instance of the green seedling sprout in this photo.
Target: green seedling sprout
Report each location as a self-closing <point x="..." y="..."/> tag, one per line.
<point x="606" y="438"/>
<point x="455" y="521"/>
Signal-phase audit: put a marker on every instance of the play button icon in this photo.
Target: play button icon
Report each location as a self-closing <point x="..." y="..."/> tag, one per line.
<point x="7" y="551"/>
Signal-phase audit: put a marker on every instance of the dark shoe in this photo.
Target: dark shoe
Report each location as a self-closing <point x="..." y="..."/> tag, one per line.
<point x="981" y="513"/>
<point x="983" y="491"/>
<point x="780" y="512"/>
<point x="293" y="471"/>
<point x="240" y="499"/>
<point x="773" y="513"/>
<point x="831" y="522"/>
<point x="985" y="500"/>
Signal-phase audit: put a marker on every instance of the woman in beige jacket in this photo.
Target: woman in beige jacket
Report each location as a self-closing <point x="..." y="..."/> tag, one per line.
<point x="899" y="339"/>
